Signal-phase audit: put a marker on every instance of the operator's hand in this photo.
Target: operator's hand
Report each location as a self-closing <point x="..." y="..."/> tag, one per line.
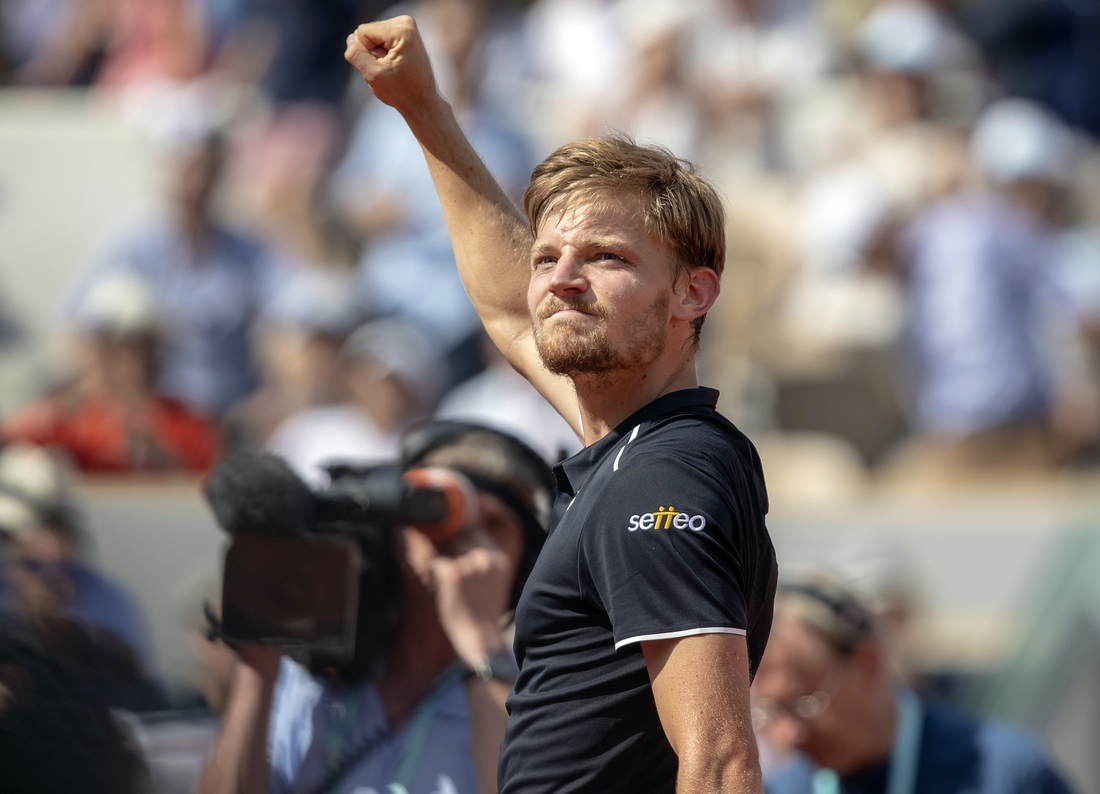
<point x="472" y="591"/>
<point x="392" y="59"/>
<point x="264" y="659"/>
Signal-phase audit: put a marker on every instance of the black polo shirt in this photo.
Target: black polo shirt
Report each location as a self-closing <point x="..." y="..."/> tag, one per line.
<point x="658" y="534"/>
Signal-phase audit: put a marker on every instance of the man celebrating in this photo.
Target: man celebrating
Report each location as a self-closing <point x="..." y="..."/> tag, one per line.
<point x="650" y="604"/>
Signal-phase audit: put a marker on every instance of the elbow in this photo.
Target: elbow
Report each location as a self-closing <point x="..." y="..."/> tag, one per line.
<point x="731" y="766"/>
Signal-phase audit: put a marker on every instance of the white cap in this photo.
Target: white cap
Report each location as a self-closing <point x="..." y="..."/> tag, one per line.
<point x="31" y="472"/>
<point x="1018" y="139"/>
<point x="30" y="480"/>
<point x="910" y="37"/>
<point x="120" y="303"/>
<point x="17" y="516"/>
<point x="403" y="351"/>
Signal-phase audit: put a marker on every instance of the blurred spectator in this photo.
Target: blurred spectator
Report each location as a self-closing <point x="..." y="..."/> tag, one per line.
<point x="579" y="54"/>
<point x="986" y="316"/>
<point x="300" y="335"/>
<point x="898" y="156"/>
<point x="111" y="416"/>
<point x="1046" y="51"/>
<point x="754" y="62"/>
<point x="391" y="375"/>
<point x="658" y="103"/>
<point x="430" y="717"/>
<point x="41" y="522"/>
<point x="385" y="193"/>
<point x="294" y="50"/>
<point x="304" y="45"/>
<point x="57" y="733"/>
<point x="501" y="398"/>
<point x="209" y="283"/>
<point x="45" y="580"/>
<point x="825" y="692"/>
<point x="115" y="43"/>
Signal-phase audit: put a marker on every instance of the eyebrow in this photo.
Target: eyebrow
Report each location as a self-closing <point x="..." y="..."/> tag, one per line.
<point x="609" y="242"/>
<point x="600" y="243"/>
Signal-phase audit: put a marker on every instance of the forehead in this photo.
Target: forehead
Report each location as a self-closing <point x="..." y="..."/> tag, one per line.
<point x="600" y="214"/>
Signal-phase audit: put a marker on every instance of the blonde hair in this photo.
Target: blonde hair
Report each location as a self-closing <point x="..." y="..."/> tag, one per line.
<point x="681" y="208"/>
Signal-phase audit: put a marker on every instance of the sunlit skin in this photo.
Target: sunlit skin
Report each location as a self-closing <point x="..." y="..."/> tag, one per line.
<point x="856" y="729"/>
<point x="599" y="292"/>
<point x="605" y="296"/>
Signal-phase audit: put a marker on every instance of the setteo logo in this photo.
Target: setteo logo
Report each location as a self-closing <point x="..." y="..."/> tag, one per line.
<point x="666" y="518"/>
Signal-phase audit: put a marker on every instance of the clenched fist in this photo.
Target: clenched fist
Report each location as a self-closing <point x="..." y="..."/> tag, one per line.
<point x="391" y="57"/>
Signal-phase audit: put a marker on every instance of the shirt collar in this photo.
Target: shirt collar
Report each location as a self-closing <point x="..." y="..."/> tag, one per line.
<point x="574" y="470"/>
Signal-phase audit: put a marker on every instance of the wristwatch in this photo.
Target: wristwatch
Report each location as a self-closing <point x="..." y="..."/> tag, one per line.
<point x="496" y="666"/>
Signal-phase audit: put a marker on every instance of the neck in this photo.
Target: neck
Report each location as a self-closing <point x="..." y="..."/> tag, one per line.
<point x="607" y="399"/>
<point x="421" y="652"/>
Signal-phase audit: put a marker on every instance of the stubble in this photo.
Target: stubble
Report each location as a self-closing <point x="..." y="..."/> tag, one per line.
<point x="583" y="347"/>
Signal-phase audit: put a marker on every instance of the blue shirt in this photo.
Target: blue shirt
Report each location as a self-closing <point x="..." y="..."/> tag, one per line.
<point x="981" y="284"/>
<point x="314" y="725"/>
<point x="99" y="603"/>
<point x="958" y="755"/>
<point x="208" y="305"/>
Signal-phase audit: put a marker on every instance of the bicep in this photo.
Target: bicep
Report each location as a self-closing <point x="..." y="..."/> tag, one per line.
<point x="701" y="688"/>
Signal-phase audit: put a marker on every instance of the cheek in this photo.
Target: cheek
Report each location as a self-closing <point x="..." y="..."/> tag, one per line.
<point x="537" y="290"/>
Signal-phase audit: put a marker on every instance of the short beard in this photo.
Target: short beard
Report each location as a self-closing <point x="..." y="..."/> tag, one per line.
<point x="571" y="351"/>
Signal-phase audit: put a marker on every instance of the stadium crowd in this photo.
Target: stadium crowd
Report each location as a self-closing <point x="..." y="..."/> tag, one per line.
<point x="913" y="199"/>
<point x="915" y="266"/>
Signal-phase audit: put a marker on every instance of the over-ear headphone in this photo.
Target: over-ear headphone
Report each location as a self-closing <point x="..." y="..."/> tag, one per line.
<point x="421" y="441"/>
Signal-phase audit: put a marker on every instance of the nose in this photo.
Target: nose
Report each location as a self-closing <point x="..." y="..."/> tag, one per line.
<point x="567" y="277"/>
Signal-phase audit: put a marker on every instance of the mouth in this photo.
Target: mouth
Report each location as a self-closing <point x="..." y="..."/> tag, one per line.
<point x="564" y="311"/>
<point x="569" y="313"/>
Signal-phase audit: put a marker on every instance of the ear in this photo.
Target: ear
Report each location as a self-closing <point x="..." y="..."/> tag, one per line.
<point x="694" y="293"/>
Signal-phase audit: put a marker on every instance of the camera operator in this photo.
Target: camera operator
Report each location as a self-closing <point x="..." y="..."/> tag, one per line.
<point x="433" y="720"/>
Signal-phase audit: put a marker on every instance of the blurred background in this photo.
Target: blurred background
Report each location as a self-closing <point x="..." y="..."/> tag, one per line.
<point x="211" y="236"/>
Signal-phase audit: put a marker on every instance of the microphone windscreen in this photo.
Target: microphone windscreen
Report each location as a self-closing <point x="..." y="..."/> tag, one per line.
<point x="258" y="493"/>
<point x="460" y="497"/>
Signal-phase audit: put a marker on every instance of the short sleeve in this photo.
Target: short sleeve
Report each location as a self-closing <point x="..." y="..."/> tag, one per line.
<point x="663" y="551"/>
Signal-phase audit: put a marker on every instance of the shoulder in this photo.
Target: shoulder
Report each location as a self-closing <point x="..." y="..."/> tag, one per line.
<point x="704" y="449"/>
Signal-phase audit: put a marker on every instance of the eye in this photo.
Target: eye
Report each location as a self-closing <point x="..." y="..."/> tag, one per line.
<point x="608" y="256"/>
<point x="543" y="260"/>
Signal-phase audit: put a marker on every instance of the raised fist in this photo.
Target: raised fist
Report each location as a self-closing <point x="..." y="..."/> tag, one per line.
<point x="391" y="57"/>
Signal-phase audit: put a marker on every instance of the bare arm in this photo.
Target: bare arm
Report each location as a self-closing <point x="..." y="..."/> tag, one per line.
<point x="238" y="763"/>
<point x="492" y="242"/>
<point x="701" y="686"/>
